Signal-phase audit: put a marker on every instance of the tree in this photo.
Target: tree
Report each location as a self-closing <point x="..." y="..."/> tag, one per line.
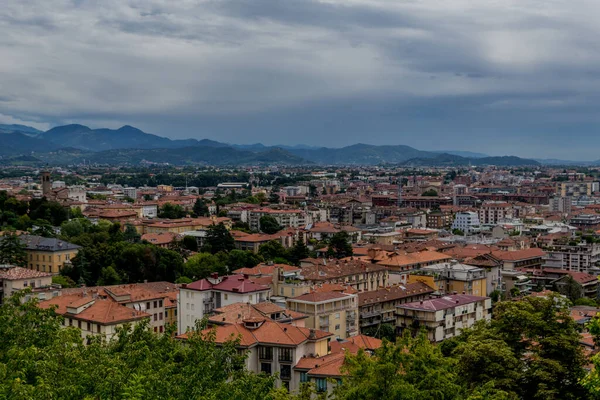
<point x="41" y="227"/>
<point x="339" y="245"/>
<point x="131" y="234"/>
<point x="269" y="225"/>
<point x="218" y="239"/>
<point x="201" y="265"/>
<point x="274" y="198"/>
<point x="412" y="368"/>
<point x="430" y="193"/>
<point x="189" y="243"/>
<point x="200" y="208"/>
<point x="298" y="252"/>
<point x="243" y="259"/>
<point x="12" y="250"/>
<point x="272" y="250"/>
<point x="63" y="281"/>
<point x="171" y="211"/>
<point x="381" y="331"/>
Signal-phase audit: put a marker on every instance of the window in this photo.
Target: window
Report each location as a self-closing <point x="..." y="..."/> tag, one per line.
<point x="265" y="353"/>
<point x="70" y="322"/>
<point x="321" y="385"/>
<point x="337" y="327"/>
<point x="79" y="324"/>
<point x="250" y="297"/>
<point x="155" y="317"/>
<point x="155" y="304"/>
<point x="285" y="371"/>
<point x="337" y="315"/>
<point x="285" y="354"/>
<point x="303" y="377"/>
<point x="98" y="328"/>
<point x="192" y="306"/>
<point x="160" y="316"/>
<point x="187" y="306"/>
<point x="25" y="284"/>
<point x="160" y="329"/>
<point x="147" y="305"/>
<point x="225" y="296"/>
<point x="266" y="368"/>
<point x="293" y="292"/>
<point x="89" y="326"/>
<point x="175" y="312"/>
<point x="160" y="303"/>
<point x="155" y="328"/>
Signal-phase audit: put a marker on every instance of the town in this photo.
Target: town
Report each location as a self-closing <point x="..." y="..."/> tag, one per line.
<point x="308" y="275"/>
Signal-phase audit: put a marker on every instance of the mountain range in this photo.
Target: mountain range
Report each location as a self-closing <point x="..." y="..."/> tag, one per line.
<point x="129" y="145"/>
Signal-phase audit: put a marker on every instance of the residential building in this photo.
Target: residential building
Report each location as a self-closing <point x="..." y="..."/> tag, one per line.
<point x="493" y="211"/>
<point x="285" y="218"/>
<point x="379" y="306"/>
<point x="454" y="277"/>
<point x="200" y="298"/>
<point x="467" y="222"/>
<point x="360" y="275"/>
<point x="239" y="312"/>
<point x="92" y="314"/>
<point x="48" y="254"/>
<point x="575" y="188"/>
<point x="273" y="347"/>
<point x="14" y="279"/>
<point x="334" y="312"/>
<point x="401" y="263"/>
<point x="444" y="317"/>
<point x="586" y="221"/>
<point x="561" y="204"/>
<point x="566" y="253"/>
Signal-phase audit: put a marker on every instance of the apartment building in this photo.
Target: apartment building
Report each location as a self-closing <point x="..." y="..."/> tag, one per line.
<point x="334" y="312"/>
<point x="493" y="211"/>
<point x="48" y="254"/>
<point x="273" y="347"/>
<point x="467" y="222"/>
<point x="200" y="298"/>
<point x="564" y="254"/>
<point x="454" y="277"/>
<point x="285" y="218"/>
<point x="401" y="263"/>
<point x="576" y="188"/>
<point x="92" y="314"/>
<point x="239" y="312"/>
<point x="358" y="274"/>
<point x="379" y="306"/>
<point x="14" y="279"/>
<point x="181" y="225"/>
<point x="444" y="317"/>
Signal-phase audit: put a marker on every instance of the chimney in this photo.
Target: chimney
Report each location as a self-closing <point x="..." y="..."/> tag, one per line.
<point x="312" y="334"/>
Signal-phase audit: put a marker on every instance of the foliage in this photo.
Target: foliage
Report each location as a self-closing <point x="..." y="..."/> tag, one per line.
<point x="272" y="250"/>
<point x="63" y="281"/>
<point x="381" y="331"/>
<point x="189" y="243"/>
<point x="12" y="250"/>
<point x="269" y="225"/>
<point x="171" y="211"/>
<point x="243" y="259"/>
<point x="201" y="265"/>
<point x="39" y="359"/>
<point x="200" y="208"/>
<point x="298" y="252"/>
<point x="218" y="239"/>
<point x="339" y="245"/>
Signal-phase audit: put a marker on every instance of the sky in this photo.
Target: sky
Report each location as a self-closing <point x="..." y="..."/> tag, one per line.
<point x="518" y="77"/>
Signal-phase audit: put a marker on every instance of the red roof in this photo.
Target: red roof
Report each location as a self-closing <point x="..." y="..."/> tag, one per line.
<point x="231" y="283"/>
<point x="442" y="303"/>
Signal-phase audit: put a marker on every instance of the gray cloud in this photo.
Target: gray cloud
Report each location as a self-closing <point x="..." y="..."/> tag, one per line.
<point x="333" y="72"/>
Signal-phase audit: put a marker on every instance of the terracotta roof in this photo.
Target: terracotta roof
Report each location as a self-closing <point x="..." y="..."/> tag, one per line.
<point x="442" y="303"/>
<point x="134" y="292"/>
<point x="317" y="297"/>
<point x="231" y="283"/>
<point x="18" y="273"/>
<point x="409" y="259"/>
<point x="104" y="312"/>
<point x="238" y="312"/>
<point x="159" y="238"/>
<point x="354" y="343"/>
<point x="336" y="269"/>
<point x="392" y="293"/>
<point x="519" y="254"/>
<point x="266" y="269"/>
<point x="268" y="332"/>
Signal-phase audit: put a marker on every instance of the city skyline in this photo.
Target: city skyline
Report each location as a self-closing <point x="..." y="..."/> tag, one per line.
<point x="504" y="78"/>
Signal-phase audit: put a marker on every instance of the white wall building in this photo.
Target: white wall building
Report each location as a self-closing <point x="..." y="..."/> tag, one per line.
<point x="467" y="221"/>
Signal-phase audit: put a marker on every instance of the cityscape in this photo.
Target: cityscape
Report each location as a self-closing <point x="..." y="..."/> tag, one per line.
<point x="299" y="200"/>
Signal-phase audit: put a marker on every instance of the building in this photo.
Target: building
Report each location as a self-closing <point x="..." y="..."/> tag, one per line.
<point x="454" y="277"/>
<point x="379" y="306"/>
<point x="400" y="264"/>
<point x="493" y="211"/>
<point x="561" y="204"/>
<point x="576" y="188"/>
<point x="566" y="254"/>
<point x="586" y="221"/>
<point x="444" y="317"/>
<point x="358" y="274"/>
<point x="14" y="279"/>
<point x="273" y="347"/>
<point x="202" y="297"/>
<point x="48" y="254"/>
<point x="130" y="192"/>
<point x="467" y="222"/>
<point x="93" y="315"/>
<point x="239" y="312"/>
<point x="334" y="312"/>
<point x="285" y="218"/>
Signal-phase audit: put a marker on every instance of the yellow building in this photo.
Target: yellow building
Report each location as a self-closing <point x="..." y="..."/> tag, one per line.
<point x="333" y="312"/>
<point x="183" y="224"/>
<point x="48" y="254"/>
<point x="453" y="277"/>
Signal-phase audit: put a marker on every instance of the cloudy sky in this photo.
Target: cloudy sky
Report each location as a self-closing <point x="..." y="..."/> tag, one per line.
<point x="501" y="77"/>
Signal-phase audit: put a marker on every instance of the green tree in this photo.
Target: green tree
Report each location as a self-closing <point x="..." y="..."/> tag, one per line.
<point x="200" y="208"/>
<point x="243" y="259"/>
<point x="201" y="265"/>
<point x="298" y="252"/>
<point x="430" y="193"/>
<point x="63" y="281"/>
<point x="269" y="225"/>
<point x="131" y="234"/>
<point x="273" y="198"/>
<point x="171" y="211"/>
<point x="218" y="239"/>
<point x="189" y="243"/>
<point x="339" y="245"/>
<point x="12" y="250"/>
<point x="272" y="250"/>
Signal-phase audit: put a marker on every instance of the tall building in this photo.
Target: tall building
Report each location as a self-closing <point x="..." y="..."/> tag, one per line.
<point x="561" y="204"/>
<point x="46" y="183"/>
<point x="467" y="221"/>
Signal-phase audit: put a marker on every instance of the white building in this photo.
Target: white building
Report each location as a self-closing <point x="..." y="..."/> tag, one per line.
<point x="467" y="221"/>
<point x="130" y="192"/>
<point x="444" y="317"/>
<point x="200" y="298"/>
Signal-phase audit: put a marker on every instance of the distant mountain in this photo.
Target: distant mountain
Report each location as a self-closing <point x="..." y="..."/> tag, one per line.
<point x="27" y="130"/>
<point x="363" y="154"/>
<point x="450" y="160"/>
<point x="554" y="161"/>
<point x="468" y="154"/>
<point x="18" y="143"/>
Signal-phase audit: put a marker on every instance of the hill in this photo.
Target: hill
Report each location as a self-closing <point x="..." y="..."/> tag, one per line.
<point x="364" y="154"/>
<point x="450" y="160"/>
